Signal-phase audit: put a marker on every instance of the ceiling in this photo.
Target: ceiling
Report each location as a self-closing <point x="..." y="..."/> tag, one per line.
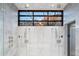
<point x="40" y="6"/>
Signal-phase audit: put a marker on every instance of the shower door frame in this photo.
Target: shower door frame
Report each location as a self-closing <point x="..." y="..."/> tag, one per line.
<point x="68" y="37"/>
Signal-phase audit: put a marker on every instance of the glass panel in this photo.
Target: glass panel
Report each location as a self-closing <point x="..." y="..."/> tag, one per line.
<point x="26" y="23"/>
<point x="55" y="23"/>
<point x="55" y="13"/>
<point x="58" y="13"/>
<point x="54" y="18"/>
<point x="40" y="23"/>
<point x="51" y="13"/>
<point x="26" y="13"/>
<point x="26" y="18"/>
<point x="40" y="18"/>
<point x="40" y="13"/>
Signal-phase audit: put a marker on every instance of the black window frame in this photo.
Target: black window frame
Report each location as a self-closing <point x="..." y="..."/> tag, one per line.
<point x="40" y="16"/>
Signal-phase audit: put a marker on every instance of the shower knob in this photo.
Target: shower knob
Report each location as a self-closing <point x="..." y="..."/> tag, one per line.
<point x="61" y="36"/>
<point x="58" y="41"/>
<point x="10" y="37"/>
<point x="19" y="36"/>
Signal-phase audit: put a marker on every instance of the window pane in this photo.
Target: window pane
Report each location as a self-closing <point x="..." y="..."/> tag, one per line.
<point x="26" y="18"/>
<point x="58" y="13"/>
<point x="55" y="13"/>
<point x="40" y="23"/>
<point x="25" y="13"/>
<point x="40" y="13"/>
<point x="52" y="13"/>
<point x="40" y="18"/>
<point x="55" y="23"/>
<point x="26" y="23"/>
<point x="54" y="18"/>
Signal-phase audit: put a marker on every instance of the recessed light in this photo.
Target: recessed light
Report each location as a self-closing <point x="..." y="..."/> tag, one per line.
<point x="27" y="5"/>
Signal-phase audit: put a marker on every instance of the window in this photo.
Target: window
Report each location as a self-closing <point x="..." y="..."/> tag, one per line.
<point x="40" y="17"/>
